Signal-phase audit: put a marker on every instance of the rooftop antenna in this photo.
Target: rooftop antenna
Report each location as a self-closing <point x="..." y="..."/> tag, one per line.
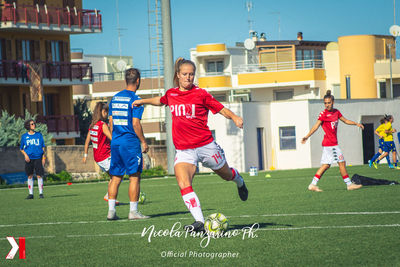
<point x="249" y="7"/>
<point x="279" y="22"/>
<point x="119" y="31"/>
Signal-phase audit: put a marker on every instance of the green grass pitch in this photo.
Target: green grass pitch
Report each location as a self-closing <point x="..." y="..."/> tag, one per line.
<point x="296" y="227"/>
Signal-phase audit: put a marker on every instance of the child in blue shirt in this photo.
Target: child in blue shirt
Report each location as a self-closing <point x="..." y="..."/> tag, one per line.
<point x="33" y="148"/>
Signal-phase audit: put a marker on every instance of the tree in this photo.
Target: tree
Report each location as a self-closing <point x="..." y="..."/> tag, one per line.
<point x="12" y="128"/>
<point x="81" y="108"/>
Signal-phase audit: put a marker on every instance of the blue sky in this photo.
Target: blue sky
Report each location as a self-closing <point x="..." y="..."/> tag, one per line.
<point x="225" y="21"/>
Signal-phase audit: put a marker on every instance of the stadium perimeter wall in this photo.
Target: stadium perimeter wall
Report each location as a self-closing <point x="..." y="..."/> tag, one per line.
<point x="69" y="158"/>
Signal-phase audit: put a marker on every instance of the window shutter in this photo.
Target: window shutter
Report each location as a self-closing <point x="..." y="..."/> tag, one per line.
<point x="8" y="50"/>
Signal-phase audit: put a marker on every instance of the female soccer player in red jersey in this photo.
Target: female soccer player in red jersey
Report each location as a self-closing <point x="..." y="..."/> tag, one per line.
<point x="329" y="119"/>
<point x="192" y="138"/>
<point x="100" y="135"/>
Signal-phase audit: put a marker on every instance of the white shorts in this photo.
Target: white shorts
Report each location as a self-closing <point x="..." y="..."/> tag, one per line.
<point x="211" y="156"/>
<point x="331" y="154"/>
<point x="105" y="164"/>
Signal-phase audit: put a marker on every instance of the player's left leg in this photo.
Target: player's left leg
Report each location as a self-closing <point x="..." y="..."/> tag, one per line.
<point x="212" y="156"/>
<point x="39" y="173"/>
<point x="133" y="192"/>
<point x="345" y="176"/>
<point x="112" y="196"/>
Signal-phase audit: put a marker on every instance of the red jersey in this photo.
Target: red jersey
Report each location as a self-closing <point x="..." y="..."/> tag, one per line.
<point x="101" y="144"/>
<point x="190" y="115"/>
<point x="330" y="120"/>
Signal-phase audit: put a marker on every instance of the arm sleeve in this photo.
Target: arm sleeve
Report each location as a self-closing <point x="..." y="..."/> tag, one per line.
<point x="22" y="145"/>
<point x="211" y="103"/>
<point x="164" y="99"/>
<point x="137" y="112"/>
<point x="321" y="116"/>
<point x="339" y="114"/>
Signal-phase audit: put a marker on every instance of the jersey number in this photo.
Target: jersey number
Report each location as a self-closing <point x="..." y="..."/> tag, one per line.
<point x="216" y="157"/>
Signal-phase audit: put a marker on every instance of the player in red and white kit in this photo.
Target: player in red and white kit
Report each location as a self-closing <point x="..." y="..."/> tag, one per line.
<point x="192" y="138"/>
<point x="100" y="136"/>
<point x="331" y="153"/>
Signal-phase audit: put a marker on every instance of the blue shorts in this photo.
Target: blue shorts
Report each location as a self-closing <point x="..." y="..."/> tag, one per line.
<point x="389" y="146"/>
<point x="126" y="159"/>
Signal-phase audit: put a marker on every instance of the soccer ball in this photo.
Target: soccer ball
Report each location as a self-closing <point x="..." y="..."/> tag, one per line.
<point x="142" y="197"/>
<point x="216" y="223"/>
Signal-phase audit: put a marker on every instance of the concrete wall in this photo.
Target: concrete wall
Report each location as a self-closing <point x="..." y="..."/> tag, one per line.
<point x="69" y="158"/>
<point x="286" y="114"/>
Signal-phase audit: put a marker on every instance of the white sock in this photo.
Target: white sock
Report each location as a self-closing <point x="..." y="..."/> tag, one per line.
<point x="40" y="185"/>
<point x="237" y="179"/>
<point x="133" y="205"/>
<point x="192" y="203"/>
<point x="347" y="181"/>
<point x="30" y="186"/>
<point x="315" y="179"/>
<point x="111" y="204"/>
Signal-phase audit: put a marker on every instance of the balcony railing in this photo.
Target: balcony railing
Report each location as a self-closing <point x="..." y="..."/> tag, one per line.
<point x="51" y="16"/>
<point x="60" y="123"/>
<point x="50" y="70"/>
<point x="280" y="66"/>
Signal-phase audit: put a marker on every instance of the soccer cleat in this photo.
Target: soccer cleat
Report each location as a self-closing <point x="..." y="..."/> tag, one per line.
<point x="353" y="186"/>
<point x="314" y="188"/>
<point x="391" y="166"/>
<point x="136" y="215"/>
<point x="243" y="192"/>
<point x="41" y="196"/>
<point x="375" y="165"/>
<point x="29" y="196"/>
<point x="112" y="215"/>
<point x="370" y="163"/>
<point x="397" y="167"/>
<point x="197" y="227"/>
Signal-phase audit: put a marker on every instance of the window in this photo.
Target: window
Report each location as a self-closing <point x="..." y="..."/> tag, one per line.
<point x="382" y="89"/>
<point x="215" y="66"/>
<point x="348" y="92"/>
<point x="283" y="95"/>
<point x="287" y="137"/>
<point x="396" y="90"/>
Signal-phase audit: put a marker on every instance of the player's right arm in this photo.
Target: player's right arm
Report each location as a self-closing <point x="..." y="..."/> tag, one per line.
<point x="87" y="141"/>
<point x="155" y="101"/>
<point x="22" y="146"/>
<point x="313" y="130"/>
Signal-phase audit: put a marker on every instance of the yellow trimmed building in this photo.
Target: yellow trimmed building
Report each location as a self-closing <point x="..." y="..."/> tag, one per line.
<point x="355" y="67"/>
<point x="35" y="32"/>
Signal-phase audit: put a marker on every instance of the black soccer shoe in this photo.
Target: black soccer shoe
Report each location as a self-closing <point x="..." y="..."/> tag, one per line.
<point x="29" y="196"/>
<point x="197" y="227"/>
<point x="243" y="192"/>
<point x="41" y="196"/>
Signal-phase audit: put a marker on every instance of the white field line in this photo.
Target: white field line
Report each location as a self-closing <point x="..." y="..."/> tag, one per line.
<point x="188" y="217"/>
<point x="263" y="229"/>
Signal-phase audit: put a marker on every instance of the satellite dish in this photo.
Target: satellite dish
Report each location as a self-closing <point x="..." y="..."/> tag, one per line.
<point x="394" y="30"/>
<point x="121" y="65"/>
<point x="249" y="44"/>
